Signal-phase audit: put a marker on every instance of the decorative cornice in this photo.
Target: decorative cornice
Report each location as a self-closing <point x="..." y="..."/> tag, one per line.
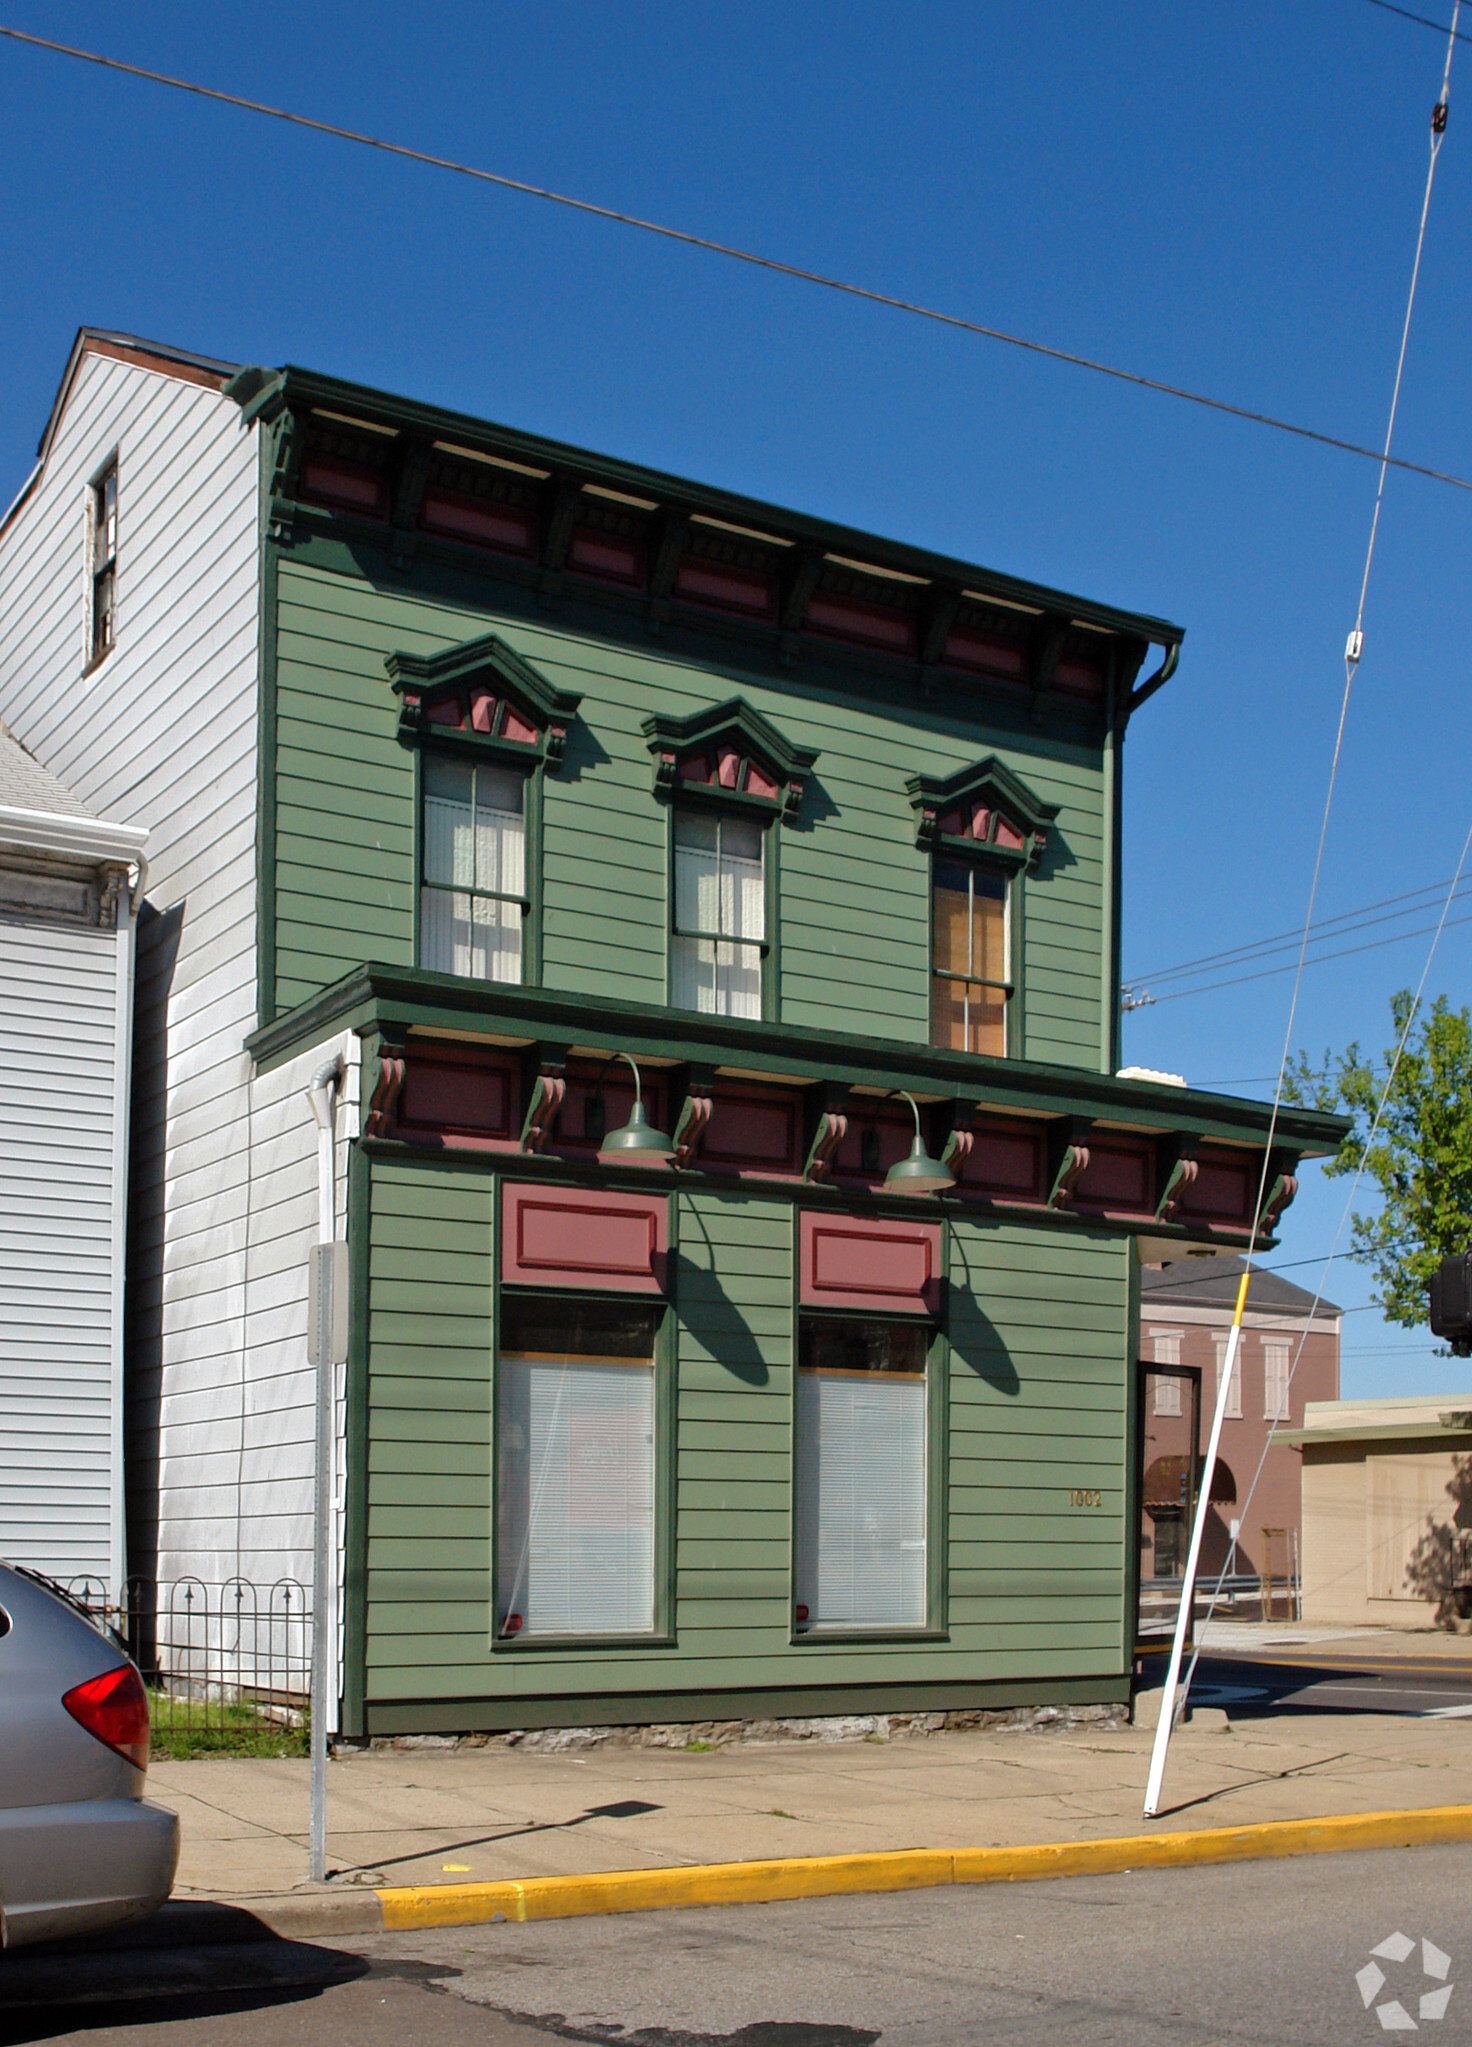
<point x="737" y="725"/>
<point x="419" y="680"/>
<point x="988" y="786"/>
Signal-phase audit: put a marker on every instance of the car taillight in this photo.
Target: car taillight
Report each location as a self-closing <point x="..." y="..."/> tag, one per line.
<point x="114" y="1708"/>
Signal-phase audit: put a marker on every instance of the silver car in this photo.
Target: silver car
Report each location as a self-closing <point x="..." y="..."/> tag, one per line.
<point x="80" y="1846"/>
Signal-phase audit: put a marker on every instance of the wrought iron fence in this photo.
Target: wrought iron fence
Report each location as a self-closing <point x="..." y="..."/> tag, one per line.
<point x="227" y="1666"/>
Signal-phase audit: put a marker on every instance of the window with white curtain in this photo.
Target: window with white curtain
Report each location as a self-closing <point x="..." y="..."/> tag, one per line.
<point x="472" y="898"/>
<point x="1233" y="1408"/>
<point x="1167" y="1346"/>
<point x="720" y="924"/>
<point x="1275" y="1380"/>
<point x="862" y="1506"/>
<point x="575" y="1467"/>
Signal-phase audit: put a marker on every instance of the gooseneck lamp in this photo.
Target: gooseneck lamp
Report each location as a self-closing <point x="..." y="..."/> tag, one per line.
<point x="919" y="1173"/>
<point x="637" y="1143"/>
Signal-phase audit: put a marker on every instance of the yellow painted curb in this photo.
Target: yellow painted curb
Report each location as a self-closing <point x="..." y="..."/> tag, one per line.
<point x="827" y="1876"/>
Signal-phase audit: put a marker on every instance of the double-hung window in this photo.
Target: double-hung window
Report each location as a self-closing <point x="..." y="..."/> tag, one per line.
<point x="575" y="1467"/>
<point x="720" y="913"/>
<point x="970" y="956"/>
<point x="862" y="1479"/>
<point x="472" y="901"/>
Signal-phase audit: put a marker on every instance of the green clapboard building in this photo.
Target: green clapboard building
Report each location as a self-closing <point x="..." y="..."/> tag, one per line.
<point x="697" y="926"/>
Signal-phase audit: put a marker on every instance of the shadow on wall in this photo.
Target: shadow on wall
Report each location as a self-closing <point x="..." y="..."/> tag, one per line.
<point x="975" y="1340"/>
<point x="159" y="933"/>
<point x="1440" y="1565"/>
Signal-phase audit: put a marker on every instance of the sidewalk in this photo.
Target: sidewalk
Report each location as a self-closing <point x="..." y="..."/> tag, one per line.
<point x="434" y="1817"/>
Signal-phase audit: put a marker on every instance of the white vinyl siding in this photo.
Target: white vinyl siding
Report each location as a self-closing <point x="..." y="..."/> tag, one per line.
<point x="720" y="899"/>
<point x="163" y="734"/>
<point x="861" y="1500"/>
<point x="577" y="1462"/>
<point x="60" y="1405"/>
<point x="474" y="880"/>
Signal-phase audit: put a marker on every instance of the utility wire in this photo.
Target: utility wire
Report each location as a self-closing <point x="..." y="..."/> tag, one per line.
<point x="1459" y="35"/>
<point x="1319" y="960"/>
<point x="1174" y="1699"/>
<point x="1248" y="955"/>
<point x="1235" y="955"/>
<point x="676" y="234"/>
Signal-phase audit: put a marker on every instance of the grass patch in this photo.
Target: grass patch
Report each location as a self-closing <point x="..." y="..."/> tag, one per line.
<point x="699" y="1748"/>
<point x="183" y="1729"/>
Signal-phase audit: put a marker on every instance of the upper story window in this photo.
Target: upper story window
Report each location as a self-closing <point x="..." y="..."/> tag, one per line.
<point x="970" y="957"/>
<point x="730" y="778"/>
<point x="720" y="926"/>
<point x="983" y="829"/>
<point x="102" y="628"/>
<point x="472" y="900"/>
<point x="487" y="726"/>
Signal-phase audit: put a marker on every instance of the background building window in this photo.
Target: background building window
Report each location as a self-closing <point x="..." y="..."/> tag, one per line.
<point x="575" y="1467"/>
<point x="720" y="914"/>
<point x="1168" y="1391"/>
<point x="862" y="1491"/>
<point x="970" y="958"/>
<point x="103" y="630"/>
<point x="1275" y="1381"/>
<point x="472" y="901"/>
<point x="1233" y="1407"/>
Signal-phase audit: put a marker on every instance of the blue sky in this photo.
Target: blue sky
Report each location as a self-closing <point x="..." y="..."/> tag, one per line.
<point x="1225" y="198"/>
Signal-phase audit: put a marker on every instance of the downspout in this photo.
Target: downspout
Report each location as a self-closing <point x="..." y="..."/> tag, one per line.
<point x="322" y="1100"/>
<point x="128" y="900"/>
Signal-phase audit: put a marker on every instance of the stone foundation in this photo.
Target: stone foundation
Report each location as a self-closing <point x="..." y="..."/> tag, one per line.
<point x="688" y="1734"/>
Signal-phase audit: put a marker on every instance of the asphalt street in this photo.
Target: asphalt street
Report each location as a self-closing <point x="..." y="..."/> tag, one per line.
<point x="1270" y="1952"/>
<point x="1308" y="1681"/>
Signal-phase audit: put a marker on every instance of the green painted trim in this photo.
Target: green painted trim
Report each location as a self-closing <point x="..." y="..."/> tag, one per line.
<point x="1134" y="1443"/>
<point x="296" y="389"/>
<point x="1111" y="921"/>
<point x="379" y="994"/>
<point x="604" y="1709"/>
<point x="358" y="1422"/>
<point x="268" y="635"/>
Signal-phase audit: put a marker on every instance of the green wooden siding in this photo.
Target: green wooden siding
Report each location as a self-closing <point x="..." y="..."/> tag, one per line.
<point x="1036" y="1391"/>
<point x="853" y="927"/>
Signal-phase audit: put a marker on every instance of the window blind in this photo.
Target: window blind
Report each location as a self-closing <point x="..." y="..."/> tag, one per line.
<point x="861" y="1499"/>
<point x="1167" y="1391"/>
<point x="1275" y="1381"/>
<point x="474" y="860"/>
<point x="576" y="1482"/>
<point x="720" y="891"/>
<point x="1233" y="1407"/>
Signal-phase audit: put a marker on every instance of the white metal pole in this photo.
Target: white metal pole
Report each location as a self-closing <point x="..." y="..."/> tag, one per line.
<point x="327" y="1285"/>
<point x="1165" y="1724"/>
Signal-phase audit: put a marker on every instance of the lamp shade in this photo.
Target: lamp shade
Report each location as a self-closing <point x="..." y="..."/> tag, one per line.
<point x="919" y="1173"/>
<point x="638" y="1143"/>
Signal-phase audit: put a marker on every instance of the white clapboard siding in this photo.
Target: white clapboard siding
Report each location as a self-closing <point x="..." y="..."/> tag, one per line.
<point x="163" y="734"/>
<point x="60" y="1405"/>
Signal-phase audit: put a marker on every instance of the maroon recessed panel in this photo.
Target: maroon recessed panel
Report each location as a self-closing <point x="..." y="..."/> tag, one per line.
<point x="753" y="1133"/>
<point x="579" y="1237"/>
<point x="454" y="1097"/>
<point x="1007" y="1161"/>
<point x="1075" y="678"/>
<point x="607" y="555"/>
<point x="1223" y="1190"/>
<point x="1006" y="659"/>
<point x="730" y="588"/>
<point x="481" y="521"/>
<point x="846" y="618"/>
<point x="1119" y="1175"/>
<point x="858" y="1262"/>
<point x="333" y="481"/>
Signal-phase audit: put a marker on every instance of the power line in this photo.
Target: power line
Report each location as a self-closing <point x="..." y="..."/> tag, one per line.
<point x="1319" y="960"/>
<point x="676" y="234"/>
<point x="1236" y="955"/>
<point x="1460" y="35"/>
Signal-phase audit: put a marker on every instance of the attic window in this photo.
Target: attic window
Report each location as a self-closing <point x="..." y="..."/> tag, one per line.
<point x="104" y="537"/>
<point x="346" y="466"/>
<point x="486" y="505"/>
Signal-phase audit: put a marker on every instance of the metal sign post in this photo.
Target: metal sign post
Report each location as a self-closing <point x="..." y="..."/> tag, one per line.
<point x="1165" y="1724"/>
<point x="327" y="1348"/>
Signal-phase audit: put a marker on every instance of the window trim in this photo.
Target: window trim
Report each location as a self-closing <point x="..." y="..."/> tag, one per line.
<point x="96" y="486"/>
<point x="770" y="946"/>
<point x="454" y="747"/>
<point x="662" y="1634"/>
<point x="957" y="852"/>
<point x="936" y="1625"/>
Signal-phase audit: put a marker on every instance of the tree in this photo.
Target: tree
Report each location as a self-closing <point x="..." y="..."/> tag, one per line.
<point x="1421" y="1154"/>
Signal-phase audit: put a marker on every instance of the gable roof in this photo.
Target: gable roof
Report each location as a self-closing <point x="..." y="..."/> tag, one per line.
<point x="26" y="785"/>
<point x="39" y="814"/>
<point x="1213" y="1282"/>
